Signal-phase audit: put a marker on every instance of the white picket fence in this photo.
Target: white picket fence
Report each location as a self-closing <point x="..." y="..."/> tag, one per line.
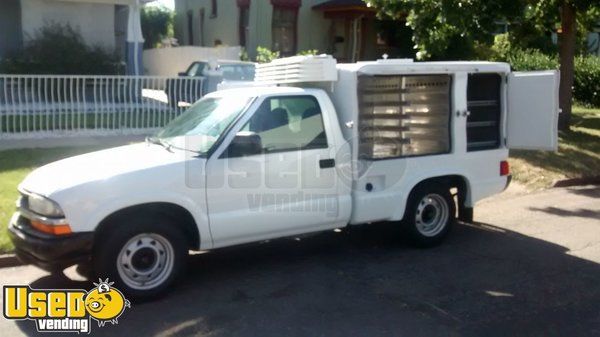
<point x="38" y="106"/>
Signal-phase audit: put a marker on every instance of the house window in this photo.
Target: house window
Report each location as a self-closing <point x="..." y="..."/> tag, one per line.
<point x="284" y="29"/>
<point x="403" y="116"/>
<point x="244" y="22"/>
<point x="190" y="27"/>
<point x="213" y="9"/>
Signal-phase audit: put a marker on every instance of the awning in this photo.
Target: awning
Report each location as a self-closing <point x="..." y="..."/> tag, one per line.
<point x="344" y="8"/>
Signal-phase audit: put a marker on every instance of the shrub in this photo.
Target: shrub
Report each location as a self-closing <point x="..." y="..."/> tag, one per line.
<point x="587" y="81"/>
<point x="59" y="49"/>
<point x="531" y="59"/>
<point x="265" y="55"/>
<point x="308" y="52"/>
<point x="586" y="86"/>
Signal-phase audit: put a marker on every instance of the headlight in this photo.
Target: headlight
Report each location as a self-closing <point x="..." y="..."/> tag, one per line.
<point x="44" y="206"/>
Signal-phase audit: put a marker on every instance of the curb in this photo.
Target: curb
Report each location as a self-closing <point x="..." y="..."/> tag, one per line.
<point x="578" y="182"/>
<point x="9" y="260"/>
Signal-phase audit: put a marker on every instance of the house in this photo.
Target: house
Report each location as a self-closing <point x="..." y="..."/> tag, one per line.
<point x="345" y="29"/>
<point x="113" y="25"/>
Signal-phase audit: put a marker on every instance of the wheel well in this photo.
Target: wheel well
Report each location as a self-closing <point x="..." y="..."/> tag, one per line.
<point x="180" y="215"/>
<point x="451" y="181"/>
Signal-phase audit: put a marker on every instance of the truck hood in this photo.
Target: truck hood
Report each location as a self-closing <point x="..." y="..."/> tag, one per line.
<point x="98" y="166"/>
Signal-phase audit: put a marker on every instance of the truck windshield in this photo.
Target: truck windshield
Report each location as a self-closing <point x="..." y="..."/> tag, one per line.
<point x="202" y="124"/>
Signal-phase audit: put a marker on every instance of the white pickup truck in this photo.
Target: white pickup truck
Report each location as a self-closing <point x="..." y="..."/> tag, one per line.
<point x="311" y="146"/>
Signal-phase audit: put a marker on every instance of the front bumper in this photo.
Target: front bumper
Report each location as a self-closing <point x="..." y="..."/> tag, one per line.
<point x="46" y="251"/>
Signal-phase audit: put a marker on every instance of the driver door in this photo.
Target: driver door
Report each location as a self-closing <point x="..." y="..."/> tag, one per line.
<point x="287" y="188"/>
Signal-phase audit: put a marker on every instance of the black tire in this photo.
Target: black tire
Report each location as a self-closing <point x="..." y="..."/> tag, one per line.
<point x="112" y="242"/>
<point x="429" y="202"/>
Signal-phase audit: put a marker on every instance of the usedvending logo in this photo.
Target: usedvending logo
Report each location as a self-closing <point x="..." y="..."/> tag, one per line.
<point x="65" y="310"/>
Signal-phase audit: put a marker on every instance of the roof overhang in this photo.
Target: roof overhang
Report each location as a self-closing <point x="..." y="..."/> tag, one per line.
<point x="111" y="2"/>
<point x="344" y="8"/>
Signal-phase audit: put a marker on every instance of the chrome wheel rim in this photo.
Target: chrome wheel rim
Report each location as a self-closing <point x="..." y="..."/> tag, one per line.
<point x="432" y="215"/>
<point x="145" y="261"/>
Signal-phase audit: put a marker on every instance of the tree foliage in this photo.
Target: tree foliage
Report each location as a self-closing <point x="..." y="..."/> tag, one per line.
<point x="450" y="29"/>
<point x="157" y="25"/>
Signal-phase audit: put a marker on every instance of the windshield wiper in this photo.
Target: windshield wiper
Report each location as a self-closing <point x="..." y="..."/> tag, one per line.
<point x="158" y="141"/>
<point x="167" y="145"/>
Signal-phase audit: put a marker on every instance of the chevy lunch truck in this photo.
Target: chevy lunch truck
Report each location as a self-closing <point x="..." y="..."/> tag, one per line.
<point x="310" y="145"/>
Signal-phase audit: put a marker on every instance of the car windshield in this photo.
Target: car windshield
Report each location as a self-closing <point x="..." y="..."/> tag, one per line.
<point x="202" y="124"/>
<point x="237" y="72"/>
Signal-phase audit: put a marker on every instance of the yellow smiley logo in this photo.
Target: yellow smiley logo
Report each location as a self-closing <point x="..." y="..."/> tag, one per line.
<point x="105" y="304"/>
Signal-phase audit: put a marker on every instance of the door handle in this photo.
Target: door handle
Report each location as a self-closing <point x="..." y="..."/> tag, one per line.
<point x="326" y="163"/>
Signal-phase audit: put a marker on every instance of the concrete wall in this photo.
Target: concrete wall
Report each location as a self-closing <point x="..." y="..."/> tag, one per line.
<point x="10" y="27"/>
<point x="171" y="61"/>
<point x="94" y="21"/>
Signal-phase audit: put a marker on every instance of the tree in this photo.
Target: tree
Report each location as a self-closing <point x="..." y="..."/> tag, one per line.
<point x="449" y="29"/>
<point x="452" y="29"/>
<point x="546" y="14"/>
<point x="157" y="24"/>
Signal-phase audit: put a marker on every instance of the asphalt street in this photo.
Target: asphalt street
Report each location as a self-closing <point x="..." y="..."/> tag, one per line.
<point x="529" y="265"/>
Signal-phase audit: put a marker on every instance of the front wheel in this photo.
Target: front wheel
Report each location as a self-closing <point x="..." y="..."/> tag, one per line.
<point x="429" y="215"/>
<point x="143" y="257"/>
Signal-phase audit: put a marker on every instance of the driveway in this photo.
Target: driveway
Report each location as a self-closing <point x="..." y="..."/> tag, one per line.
<point x="530" y="265"/>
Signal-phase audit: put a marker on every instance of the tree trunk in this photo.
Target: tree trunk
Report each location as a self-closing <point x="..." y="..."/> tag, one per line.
<point x="567" y="63"/>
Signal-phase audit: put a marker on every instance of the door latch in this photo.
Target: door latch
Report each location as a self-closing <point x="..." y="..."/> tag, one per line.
<point x="326" y="163"/>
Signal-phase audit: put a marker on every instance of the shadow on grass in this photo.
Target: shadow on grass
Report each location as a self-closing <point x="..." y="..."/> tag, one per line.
<point x="586" y="120"/>
<point x="484" y="281"/>
<point x="569" y="162"/>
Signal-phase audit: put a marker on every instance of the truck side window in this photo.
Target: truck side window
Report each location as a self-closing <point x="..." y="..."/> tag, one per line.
<point x="483" y="101"/>
<point x="403" y="116"/>
<point x="288" y="123"/>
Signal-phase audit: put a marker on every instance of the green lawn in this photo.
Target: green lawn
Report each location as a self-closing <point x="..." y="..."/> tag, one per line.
<point x="578" y="154"/>
<point x="14" y="166"/>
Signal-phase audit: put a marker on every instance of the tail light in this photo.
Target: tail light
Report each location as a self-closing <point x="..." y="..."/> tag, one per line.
<point x="504" y="168"/>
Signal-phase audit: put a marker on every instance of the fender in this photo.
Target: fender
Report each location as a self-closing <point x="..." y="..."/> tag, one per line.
<point x="88" y="217"/>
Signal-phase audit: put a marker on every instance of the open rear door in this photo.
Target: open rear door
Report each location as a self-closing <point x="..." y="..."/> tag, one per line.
<point x="532" y="119"/>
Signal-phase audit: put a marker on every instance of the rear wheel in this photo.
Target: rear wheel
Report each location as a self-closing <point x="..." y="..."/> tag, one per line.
<point x="429" y="215"/>
<point x="143" y="257"/>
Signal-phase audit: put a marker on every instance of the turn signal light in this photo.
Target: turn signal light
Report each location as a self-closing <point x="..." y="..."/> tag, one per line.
<point x="504" y="168"/>
<point x="51" y="229"/>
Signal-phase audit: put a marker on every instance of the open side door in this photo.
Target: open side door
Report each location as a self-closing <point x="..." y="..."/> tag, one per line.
<point x="532" y="118"/>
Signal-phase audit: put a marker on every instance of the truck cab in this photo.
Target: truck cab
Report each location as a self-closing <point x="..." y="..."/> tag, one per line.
<point x="311" y="145"/>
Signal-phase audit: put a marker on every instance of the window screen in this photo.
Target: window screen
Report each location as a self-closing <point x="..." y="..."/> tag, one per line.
<point x="403" y="115"/>
<point x="483" y="101"/>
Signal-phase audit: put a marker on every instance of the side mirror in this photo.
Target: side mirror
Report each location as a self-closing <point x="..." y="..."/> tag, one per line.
<point x="182" y="74"/>
<point x="245" y="143"/>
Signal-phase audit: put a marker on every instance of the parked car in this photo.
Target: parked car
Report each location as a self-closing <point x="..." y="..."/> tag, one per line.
<point x="212" y="74"/>
<point x="343" y="145"/>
